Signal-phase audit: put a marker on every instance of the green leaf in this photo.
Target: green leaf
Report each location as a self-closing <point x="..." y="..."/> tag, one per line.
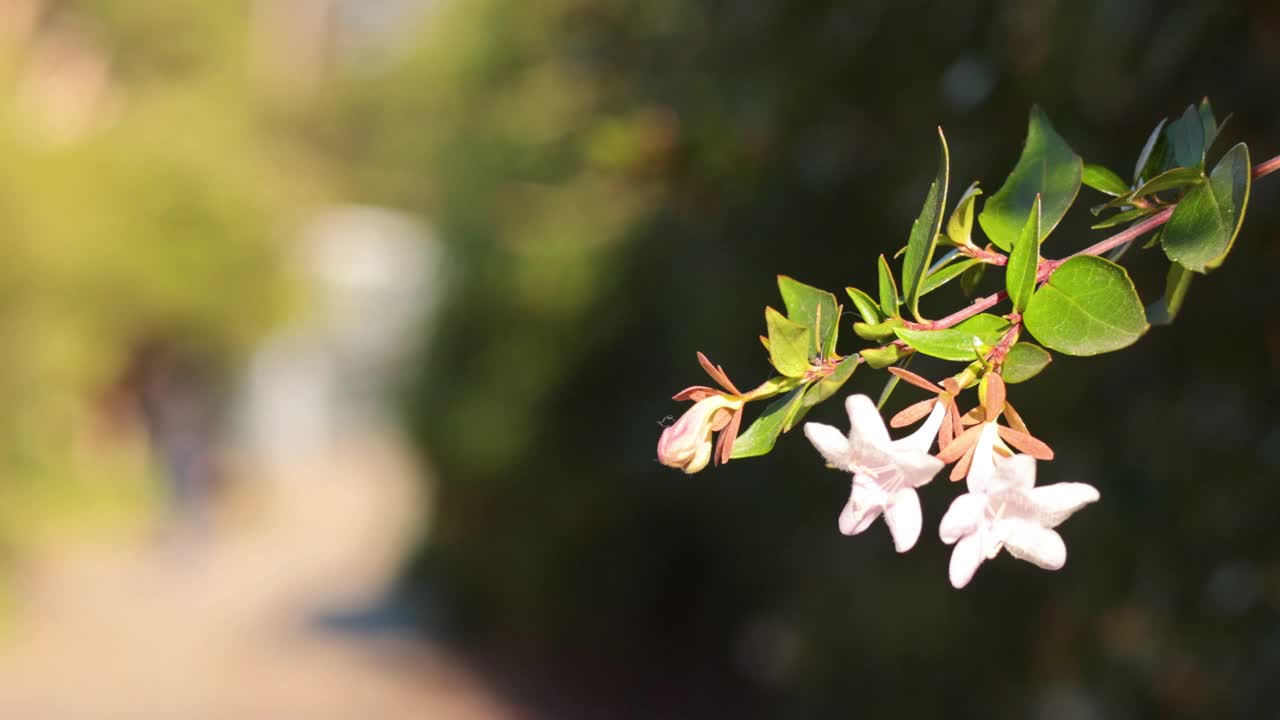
<point x="1024" y="261"/>
<point x="960" y="224"/>
<point x="1089" y="306"/>
<point x="888" y="289"/>
<point x="961" y="343"/>
<point x="891" y="384"/>
<point x="813" y="307"/>
<point x="760" y="438"/>
<point x="1164" y="310"/>
<point x="1024" y="361"/>
<point x="1205" y="222"/>
<point x="1186" y="137"/>
<point x="788" y="344"/>
<point x="1151" y="159"/>
<point x="882" y="357"/>
<point x="946" y="274"/>
<point x="1169" y="180"/>
<point x="1103" y="180"/>
<point x="1049" y="168"/>
<point x="1209" y="123"/>
<point x="972" y="278"/>
<point x="865" y="306"/>
<point x="877" y="332"/>
<point x="924" y="233"/>
<point x="1123" y="217"/>
<point x="829" y="385"/>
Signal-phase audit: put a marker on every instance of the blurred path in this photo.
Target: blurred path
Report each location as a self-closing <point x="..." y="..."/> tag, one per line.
<point x="163" y="630"/>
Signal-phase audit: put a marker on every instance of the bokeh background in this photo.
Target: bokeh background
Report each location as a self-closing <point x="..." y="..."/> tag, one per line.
<point x="338" y="334"/>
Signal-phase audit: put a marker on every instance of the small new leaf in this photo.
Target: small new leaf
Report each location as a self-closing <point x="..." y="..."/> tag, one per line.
<point x="946" y="274"/>
<point x="1024" y="361"/>
<point x="1186" y="136"/>
<point x="1164" y="310"/>
<point x="962" y="343"/>
<point x="1151" y="159"/>
<point x="888" y="289"/>
<point x="960" y="224"/>
<point x="1103" y="180"/>
<point x="924" y="233"/>
<point x="813" y="307"/>
<point x="865" y="306"/>
<point x="788" y="344"/>
<point x="1024" y="261"/>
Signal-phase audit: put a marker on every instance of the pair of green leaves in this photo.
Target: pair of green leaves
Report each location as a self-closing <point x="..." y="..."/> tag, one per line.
<point x="807" y="333"/>
<point x="804" y="337"/>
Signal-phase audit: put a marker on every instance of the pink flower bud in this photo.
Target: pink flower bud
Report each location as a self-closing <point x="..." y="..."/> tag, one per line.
<point x="687" y="443"/>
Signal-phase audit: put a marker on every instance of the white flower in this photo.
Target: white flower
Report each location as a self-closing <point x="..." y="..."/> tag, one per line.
<point x="886" y="472"/>
<point x="1004" y="509"/>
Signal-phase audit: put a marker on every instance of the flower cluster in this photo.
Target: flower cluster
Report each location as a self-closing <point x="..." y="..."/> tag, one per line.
<point x="1002" y="509"/>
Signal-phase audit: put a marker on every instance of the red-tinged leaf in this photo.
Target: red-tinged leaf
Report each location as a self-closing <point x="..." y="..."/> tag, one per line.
<point x="995" y="395"/>
<point x="946" y="433"/>
<point x="912" y="413"/>
<point x="961" y="469"/>
<point x="1026" y="443"/>
<point x="724" y="444"/>
<point x="973" y="417"/>
<point x="695" y="393"/>
<point x="1015" y="420"/>
<point x="958" y="446"/>
<point x="915" y="379"/>
<point x="717" y="373"/>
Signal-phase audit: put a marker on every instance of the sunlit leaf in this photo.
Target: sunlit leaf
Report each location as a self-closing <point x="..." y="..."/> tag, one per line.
<point x="924" y="233"/>
<point x="1089" y="306"/>
<point x="1205" y="222"/>
<point x="1049" y="168"/>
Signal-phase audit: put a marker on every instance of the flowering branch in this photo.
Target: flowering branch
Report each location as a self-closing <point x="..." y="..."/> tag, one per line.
<point x="1080" y="304"/>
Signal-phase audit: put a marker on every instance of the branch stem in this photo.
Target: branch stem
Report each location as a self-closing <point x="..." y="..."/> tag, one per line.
<point x="1048" y="266"/>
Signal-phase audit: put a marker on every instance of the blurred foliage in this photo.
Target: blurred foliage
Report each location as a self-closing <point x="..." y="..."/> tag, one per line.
<point x="617" y="181"/>
<point x="138" y="205"/>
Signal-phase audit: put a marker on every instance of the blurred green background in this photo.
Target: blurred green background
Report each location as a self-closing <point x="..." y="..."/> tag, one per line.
<point x="615" y="184"/>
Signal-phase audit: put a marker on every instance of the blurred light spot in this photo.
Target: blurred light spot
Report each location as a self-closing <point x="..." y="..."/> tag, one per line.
<point x="1066" y="703"/>
<point x="967" y="83"/>
<point x="767" y="650"/>
<point x="1233" y="588"/>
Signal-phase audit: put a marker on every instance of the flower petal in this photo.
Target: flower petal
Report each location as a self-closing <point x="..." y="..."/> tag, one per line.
<point x="922" y="439"/>
<point x="864" y="506"/>
<point x="982" y="468"/>
<point x="965" y="560"/>
<point x="865" y="423"/>
<point x="1017" y="472"/>
<point x="904" y="519"/>
<point x="1037" y="545"/>
<point x="1059" y="501"/>
<point x="962" y="517"/>
<point x="830" y="442"/>
<point x="918" y="466"/>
